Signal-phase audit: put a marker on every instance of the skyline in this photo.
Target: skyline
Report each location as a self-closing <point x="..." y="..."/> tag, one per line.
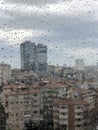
<point x="48" y="63"/>
<point x="67" y="27"/>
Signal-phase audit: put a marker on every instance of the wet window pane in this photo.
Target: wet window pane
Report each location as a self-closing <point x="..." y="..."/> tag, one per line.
<point x="48" y="65"/>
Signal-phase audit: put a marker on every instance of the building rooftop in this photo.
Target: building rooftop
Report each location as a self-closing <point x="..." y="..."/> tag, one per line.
<point x="54" y="84"/>
<point x="18" y="89"/>
<point x="70" y="102"/>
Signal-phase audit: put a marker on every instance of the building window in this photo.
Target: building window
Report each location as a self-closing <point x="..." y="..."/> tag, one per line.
<point x="11" y="103"/>
<point x="63" y="113"/>
<point x="64" y="107"/>
<point x="35" y="112"/>
<point x="35" y="95"/>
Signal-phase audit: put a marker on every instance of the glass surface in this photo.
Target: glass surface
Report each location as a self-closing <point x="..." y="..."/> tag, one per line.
<point x="48" y="64"/>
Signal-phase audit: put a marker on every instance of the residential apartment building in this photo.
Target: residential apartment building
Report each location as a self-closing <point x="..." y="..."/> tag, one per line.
<point x="68" y="114"/>
<point x="27" y="77"/>
<point x="52" y="103"/>
<point x="49" y="92"/>
<point x="54" y="71"/>
<point x="88" y="95"/>
<point x="2" y="117"/>
<point x="5" y="73"/>
<point x="21" y="105"/>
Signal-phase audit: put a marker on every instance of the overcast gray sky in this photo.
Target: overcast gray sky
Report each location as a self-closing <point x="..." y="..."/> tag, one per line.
<point x="68" y="27"/>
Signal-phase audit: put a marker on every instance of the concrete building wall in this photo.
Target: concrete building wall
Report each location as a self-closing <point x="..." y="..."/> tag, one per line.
<point x="69" y="115"/>
<point x="21" y="107"/>
<point x="5" y="73"/>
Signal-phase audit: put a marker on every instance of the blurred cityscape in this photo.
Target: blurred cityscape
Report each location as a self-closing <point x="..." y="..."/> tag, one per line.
<point x="40" y="96"/>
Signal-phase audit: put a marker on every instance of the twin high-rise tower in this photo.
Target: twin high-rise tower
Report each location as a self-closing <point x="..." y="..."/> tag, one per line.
<point x="33" y="57"/>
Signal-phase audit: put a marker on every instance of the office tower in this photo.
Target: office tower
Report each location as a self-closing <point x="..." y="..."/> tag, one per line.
<point x="33" y="57"/>
<point x="28" y="51"/>
<point x="41" y="58"/>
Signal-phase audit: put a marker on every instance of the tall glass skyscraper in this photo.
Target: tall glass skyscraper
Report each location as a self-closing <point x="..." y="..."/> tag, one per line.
<point x="28" y="56"/>
<point x="33" y="57"/>
<point x="41" y="57"/>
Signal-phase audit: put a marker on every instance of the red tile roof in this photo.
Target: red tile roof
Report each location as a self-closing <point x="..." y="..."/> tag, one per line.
<point x="70" y="102"/>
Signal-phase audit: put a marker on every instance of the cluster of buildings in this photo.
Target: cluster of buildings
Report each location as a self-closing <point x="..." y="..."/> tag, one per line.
<point x="53" y="97"/>
<point x="56" y="104"/>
